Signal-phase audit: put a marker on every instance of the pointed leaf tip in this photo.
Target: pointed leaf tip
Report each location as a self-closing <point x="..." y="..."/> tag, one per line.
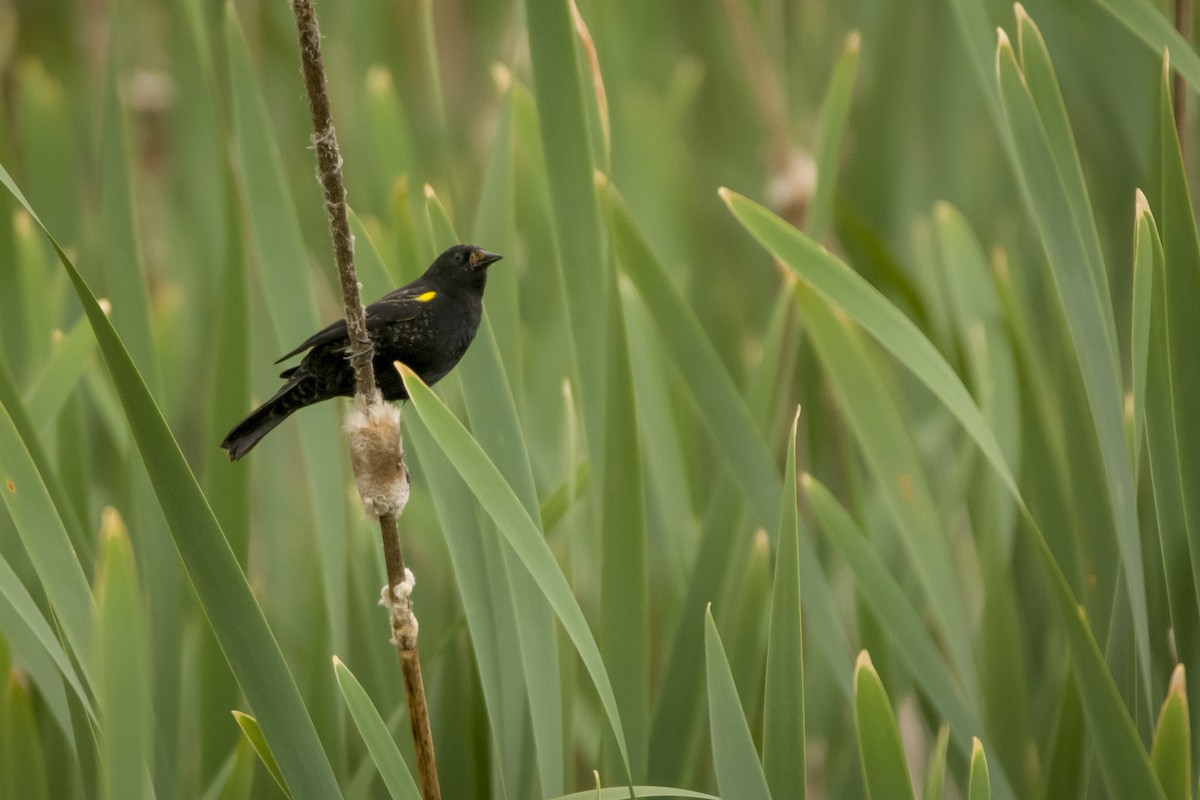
<point x="1003" y="43"/>
<point x="1141" y="205"/>
<point x="111" y="524"/>
<point x="854" y="42"/>
<point x="1178" y="682"/>
<point x="501" y="77"/>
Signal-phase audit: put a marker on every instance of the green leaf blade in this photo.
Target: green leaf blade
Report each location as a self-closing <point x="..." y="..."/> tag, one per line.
<point x="739" y="773"/>
<point x="501" y="503"/>
<point x="122" y="668"/>
<point x="233" y="612"/>
<point x="1088" y="314"/>
<point x="881" y="753"/>
<point x="979" y="785"/>
<point x="375" y="734"/>
<point x="783" y="748"/>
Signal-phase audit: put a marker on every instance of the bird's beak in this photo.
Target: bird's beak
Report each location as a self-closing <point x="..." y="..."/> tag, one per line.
<point x="482" y="258"/>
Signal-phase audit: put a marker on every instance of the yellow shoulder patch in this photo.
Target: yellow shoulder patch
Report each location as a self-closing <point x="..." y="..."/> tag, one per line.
<point x="426" y="297"/>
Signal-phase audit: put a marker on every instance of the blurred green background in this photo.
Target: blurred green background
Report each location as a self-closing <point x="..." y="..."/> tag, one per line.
<point x="998" y="454"/>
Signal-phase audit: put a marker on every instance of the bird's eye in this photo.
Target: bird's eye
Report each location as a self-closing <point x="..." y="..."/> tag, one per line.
<point x="460" y="258"/>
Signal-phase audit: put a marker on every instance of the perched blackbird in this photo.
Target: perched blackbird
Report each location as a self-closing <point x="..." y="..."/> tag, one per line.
<point x="427" y="325"/>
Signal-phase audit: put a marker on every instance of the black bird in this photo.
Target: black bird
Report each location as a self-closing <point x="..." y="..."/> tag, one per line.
<point x="426" y="325"/>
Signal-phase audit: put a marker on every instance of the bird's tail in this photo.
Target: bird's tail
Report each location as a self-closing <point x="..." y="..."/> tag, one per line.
<point x="250" y="431"/>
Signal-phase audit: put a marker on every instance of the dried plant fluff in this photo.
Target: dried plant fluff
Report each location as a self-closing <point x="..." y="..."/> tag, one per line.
<point x="375" y="451"/>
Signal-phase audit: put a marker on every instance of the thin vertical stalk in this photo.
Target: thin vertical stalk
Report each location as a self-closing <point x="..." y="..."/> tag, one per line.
<point x="387" y="472"/>
<point x="1183" y="24"/>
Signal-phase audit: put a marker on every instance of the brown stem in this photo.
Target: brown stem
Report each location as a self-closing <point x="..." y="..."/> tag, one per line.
<point x="418" y="717"/>
<point x="329" y="170"/>
<point x="404" y="634"/>
<point x="393" y="557"/>
<point x="1183" y="24"/>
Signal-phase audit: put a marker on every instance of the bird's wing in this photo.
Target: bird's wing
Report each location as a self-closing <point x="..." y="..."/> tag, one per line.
<point x="398" y="306"/>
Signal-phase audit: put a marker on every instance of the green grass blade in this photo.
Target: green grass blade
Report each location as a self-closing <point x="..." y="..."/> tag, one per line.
<point x="886" y="599"/>
<point x="1146" y="23"/>
<point x="675" y="734"/>
<point x="1156" y="401"/>
<point x="1144" y="269"/>
<point x="834" y="112"/>
<point x="849" y="291"/>
<point x="441" y="229"/>
<point x="1122" y="757"/>
<point x="514" y="521"/>
<point x="375" y="734"/>
<point x="238" y="780"/>
<point x="729" y="421"/>
<point x="624" y="625"/>
<point x="122" y="668"/>
<point x="935" y="773"/>
<point x="391" y="149"/>
<point x="992" y="367"/>
<point x="1043" y="89"/>
<point x="670" y="499"/>
<point x="27" y="306"/>
<point x="373" y="273"/>
<point x="228" y="490"/>
<point x="483" y="579"/>
<point x="254" y="735"/>
<point x="885" y="771"/>
<point x="282" y="261"/>
<point x="882" y="433"/>
<point x="739" y="774"/>
<point x="10" y="400"/>
<point x="979" y="786"/>
<point x="232" y="610"/>
<point x="493" y="414"/>
<point x="1171" y="753"/>
<point x="495" y="228"/>
<point x="783" y="755"/>
<point x="1088" y="313"/>
<point x="906" y="631"/>
<point x="33" y="640"/>
<point x="270" y="209"/>
<point x="23" y="767"/>
<point x="976" y="30"/>
<point x="124" y="278"/>
<point x="40" y="526"/>
<point x="1068" y="743"/>
<point x="49" y="391"/>
<point x="639" y="791"/>
<point x="722" y="409"/>
<point x="1127" y="764"/>
<point x="1172" y="431"/>
<point x="579" y="238"/>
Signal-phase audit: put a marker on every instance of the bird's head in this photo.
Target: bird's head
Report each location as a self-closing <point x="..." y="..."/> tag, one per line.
<point x="463" y="265"/>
